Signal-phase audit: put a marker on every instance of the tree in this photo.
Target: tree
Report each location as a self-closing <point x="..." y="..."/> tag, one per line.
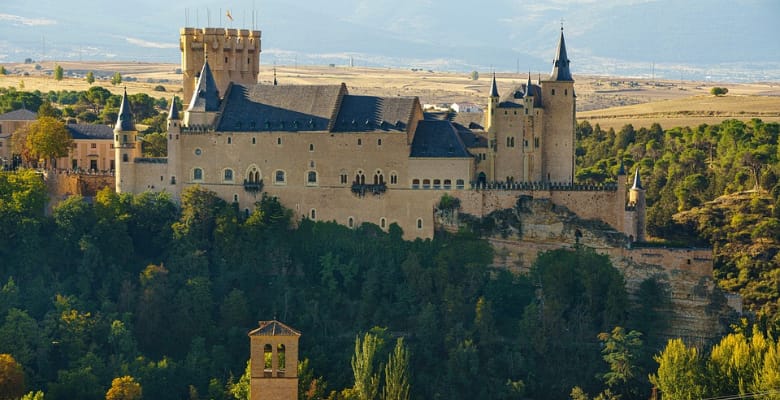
<point x="11" y="378"/>
<point x="680" y="373"/>
<point x="397" y="374"/>
<point x="47" y="138"/>
<point x="90" y="77"/>
<point x="46" y="110"/>
<point x="58" y="72"/>
<point x="240" y="390"/>
<point x="124" y="388"/>
<point x="116" y="79"/>
<point x="621" y="351"/>
<point x="3" y="71"/>
<point x="366" y="380"/>
<point x="718" y="91"/>
<point x="474" y="75"/>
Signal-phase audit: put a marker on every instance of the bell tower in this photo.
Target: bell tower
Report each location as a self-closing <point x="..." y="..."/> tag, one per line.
<point x="274" y="362"/>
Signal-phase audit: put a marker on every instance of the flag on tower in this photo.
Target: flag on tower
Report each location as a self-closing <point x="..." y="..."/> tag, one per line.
<point x="230" y="17"/>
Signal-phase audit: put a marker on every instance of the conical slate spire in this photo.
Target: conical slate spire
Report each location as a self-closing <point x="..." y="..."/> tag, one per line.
<point x="528" y="90"/>
<point x="173" y="113"/>
<point x="206" y="95"/>
<point x="494" y="87"/>
<point x="124" y="121"/>
<point x="561" y="70"/>
<point x="637" y="182"/>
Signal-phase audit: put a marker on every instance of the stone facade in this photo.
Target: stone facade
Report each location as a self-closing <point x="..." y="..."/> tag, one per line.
<point x="330" y="155"/>
<point x="274" y="362"/>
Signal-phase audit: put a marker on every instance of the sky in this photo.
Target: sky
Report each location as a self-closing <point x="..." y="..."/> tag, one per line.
<point x="725" y="40"/>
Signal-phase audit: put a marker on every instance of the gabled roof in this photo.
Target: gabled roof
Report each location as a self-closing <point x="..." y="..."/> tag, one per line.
<point x="561" y="70"/>
<point x="280" y="108"/>
<point x="437" y="139"/>
<point x="513" y="97"/>
<point x="124" y="120"/>
<point x="368" y="113"/>
<point x="273" y="328"/>
<point x="469" y="137"/>
<point x="21" y="114"/>
<point x="90" y="131"/>
<point x="205" y="97"/>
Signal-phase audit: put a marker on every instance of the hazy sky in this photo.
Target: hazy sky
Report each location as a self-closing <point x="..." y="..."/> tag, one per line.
<point x="603" y="35"/>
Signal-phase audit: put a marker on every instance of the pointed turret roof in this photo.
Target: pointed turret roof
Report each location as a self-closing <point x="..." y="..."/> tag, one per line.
<point x="494" y="87"/>
<point x="637" y="182"/>
<point x="124" y="121"/>
<point x="206" y="95"/>
<point x="173" y="112"/>
<point x="561" y="70"/>
<point x="528" y="86"/>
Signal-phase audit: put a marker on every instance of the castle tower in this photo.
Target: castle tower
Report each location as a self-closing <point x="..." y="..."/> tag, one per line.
<point x="174" y="148"/>
<point x="204" y="100"/>
<point x="559" y="102"/>
<point x="126" y="147"/>
<point x="636" y="201"/>
<point x="491" y="127"/>
<point x="234" y="56"/>
<point x="274" y="362"/>
<point x="531" y="159"/>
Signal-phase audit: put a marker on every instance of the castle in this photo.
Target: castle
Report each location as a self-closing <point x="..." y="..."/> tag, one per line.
<point x="333" y="156"/>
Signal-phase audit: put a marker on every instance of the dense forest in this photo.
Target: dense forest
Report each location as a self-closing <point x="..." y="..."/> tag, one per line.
<point x="136" y="286"/>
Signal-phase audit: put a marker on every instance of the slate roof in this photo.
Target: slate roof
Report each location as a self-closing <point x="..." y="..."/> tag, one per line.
<point x="510" y="99"/>
<point x="205" y="96"/>
<point x="437" y="139"/>
<point x="494" y="87"/>
<point x="279" y="108"/>
<point x="368" y="113"/>
<point x="273" y="328"/>
<point x="21" y="114"/>
<point x="89" y="131"/>
<point x="637" y="181"/>
<point x="469" y="137"/>
<point x="561" y="62"/>
<point x="173" y="111"/>
<point x="124" y="120"/>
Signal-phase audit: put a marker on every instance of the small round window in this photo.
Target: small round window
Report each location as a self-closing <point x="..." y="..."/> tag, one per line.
<point x="198" y="152"/>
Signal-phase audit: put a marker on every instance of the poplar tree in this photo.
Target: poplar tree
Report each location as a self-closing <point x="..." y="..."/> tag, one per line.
<point x="397" y="373"/>
<point x="366" y="380"/>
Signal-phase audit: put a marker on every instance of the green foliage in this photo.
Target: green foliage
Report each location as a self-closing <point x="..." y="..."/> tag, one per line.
<point x="90" y="78"/>
<point x="396" y="386"/>
<point x="679" y="373"/>
<point x="58" y="72"/>
<point x="3" y="71"/>
<point x="159" y="88"/>
<point x="240" y="390"/>
<point x="474" y="75"/>
<point x="124" y="388"/>
<point x="364" y="367"/>
<point x="718" y="91"/>
<point x="116" y="79"/>
<point x="621" y="351"/>
<point x="11" y="378"/>
<point x="155" y="145"/>
<point x="46" y="139"/>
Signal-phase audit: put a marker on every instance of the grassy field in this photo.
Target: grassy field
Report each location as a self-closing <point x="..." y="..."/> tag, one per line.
<point x="610" y="102"/>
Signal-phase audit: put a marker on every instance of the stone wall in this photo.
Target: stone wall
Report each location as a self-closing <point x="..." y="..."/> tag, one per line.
<point x="60" y="186"/>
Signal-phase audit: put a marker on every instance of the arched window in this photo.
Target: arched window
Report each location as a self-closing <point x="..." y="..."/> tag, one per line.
<point x="311" y="147"/>
<point x="228" y="175"/>
<point x="279" y="141"/>
<point x="415" y="183"/>
<point x="447" y="184"/>
<point x="459" y="184"/>
<point x="379" y="142"/>
<point x="351" y="222"/>
<point x="197" y="174"/>
<point x="311" y="178"/>
<point x="419" y="223"/>
<point x="229" y="140"/>
<point x="360" y="178"/>
<point x="253" y="174"/>
<point x="437" y="183"/>
<point x="360" y="142"/>
<point x="279" y="176"/>
<point x="393" y="178"/>
<point x="382" y="222"/>
<point x="254" y="140"/>
<point x="379" y="178"/>
<point x="235" y="198"/>
<point x="281" y="360"/>
<point x="426" y="183"/>
<point x="267" y="359"/>
<point x="313" y="214"/>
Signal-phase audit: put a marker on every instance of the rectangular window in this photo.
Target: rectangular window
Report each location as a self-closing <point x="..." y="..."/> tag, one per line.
<point x="536" y="142"/>
<point x="343" y="179"/>
<point x="93" y="145"/>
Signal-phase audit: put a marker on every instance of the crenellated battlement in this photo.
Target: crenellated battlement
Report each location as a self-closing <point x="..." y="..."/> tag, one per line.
<point x="233" y="55"/>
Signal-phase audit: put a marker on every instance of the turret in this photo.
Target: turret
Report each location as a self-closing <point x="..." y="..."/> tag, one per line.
<point x="636" y="201"/>
<point x="174" y="147"/>
<point x="559" y="103"/>
<point x="490" y="127"/>
<point x="204" y="102"/>
<point x="126" y="147"/>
